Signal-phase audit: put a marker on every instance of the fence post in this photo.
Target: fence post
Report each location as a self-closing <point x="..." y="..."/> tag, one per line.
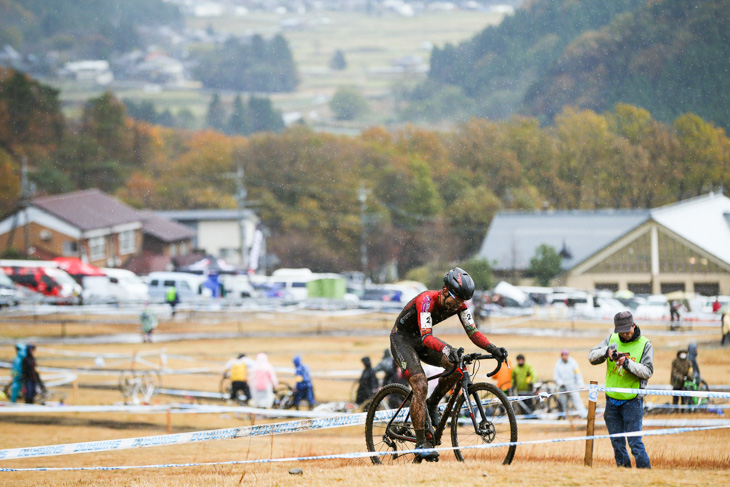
<point x="590" y="424"/>
<point x="169" y="422"/>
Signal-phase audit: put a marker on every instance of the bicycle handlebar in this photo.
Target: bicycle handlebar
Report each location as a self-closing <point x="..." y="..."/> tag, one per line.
<point x="465" y="359"/>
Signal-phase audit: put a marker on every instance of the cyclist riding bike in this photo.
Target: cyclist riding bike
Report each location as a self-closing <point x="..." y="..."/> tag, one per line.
<point x="412" y="342"/>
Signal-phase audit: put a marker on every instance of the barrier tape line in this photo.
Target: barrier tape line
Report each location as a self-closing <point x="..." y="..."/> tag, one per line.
<point x="654" y="392"/>
<point x="355" y="455"/>
<point x="337" y="421"/>
<point x="173" y="408"/>
<point x="182" y="438"/>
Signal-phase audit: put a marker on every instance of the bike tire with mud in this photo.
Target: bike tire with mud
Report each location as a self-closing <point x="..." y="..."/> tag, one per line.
<point x="498" y="426"/>
<point x="377" y="438"/>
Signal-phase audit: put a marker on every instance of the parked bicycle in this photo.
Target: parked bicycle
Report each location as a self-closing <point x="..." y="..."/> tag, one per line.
<point x="133" y="384"/>
<point x="546" y="402"/>
<point x="477" y="414"/>
<point x="283" y="396"/>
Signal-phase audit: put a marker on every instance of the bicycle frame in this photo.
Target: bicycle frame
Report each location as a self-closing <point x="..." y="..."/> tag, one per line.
<point x="460" y="387"/>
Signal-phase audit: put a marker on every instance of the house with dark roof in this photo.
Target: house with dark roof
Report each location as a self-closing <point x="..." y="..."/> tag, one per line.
<point x="86" y="224"/>
<point x="684" y="246"/>
<point x="94" y="227"/>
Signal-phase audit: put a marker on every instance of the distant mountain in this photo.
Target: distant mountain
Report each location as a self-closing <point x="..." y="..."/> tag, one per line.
<point x="497" y="67"/>
<point x="668" y="56"/>
<point x="92" y="28"/>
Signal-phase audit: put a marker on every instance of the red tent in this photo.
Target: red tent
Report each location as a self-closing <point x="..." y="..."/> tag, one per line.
<point x="76" y="267"/>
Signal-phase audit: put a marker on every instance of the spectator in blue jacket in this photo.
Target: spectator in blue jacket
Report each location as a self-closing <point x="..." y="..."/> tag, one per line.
<point x="303" y="388"/>
<point x="17" y="372"/>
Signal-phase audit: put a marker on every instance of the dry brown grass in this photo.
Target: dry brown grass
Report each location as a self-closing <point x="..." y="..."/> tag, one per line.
<point x="688" y="459"/>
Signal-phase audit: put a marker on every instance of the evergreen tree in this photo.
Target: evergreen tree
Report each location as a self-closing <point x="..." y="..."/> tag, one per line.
<point x="545" y="265"/>
<point x="216" y="118"/>
<point x="338" y="62"/>
<point x="263" y="117"/>
<point x="238" y="122"/>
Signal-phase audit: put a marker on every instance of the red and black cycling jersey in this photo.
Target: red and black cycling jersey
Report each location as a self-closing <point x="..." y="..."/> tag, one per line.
<point x="424" y="311"/>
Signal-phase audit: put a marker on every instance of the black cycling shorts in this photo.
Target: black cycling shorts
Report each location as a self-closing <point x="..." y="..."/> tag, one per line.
<point x="409" y="352"/>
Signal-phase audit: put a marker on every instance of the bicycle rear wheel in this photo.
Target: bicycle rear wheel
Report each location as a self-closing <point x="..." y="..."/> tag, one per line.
<point x="498" y="425"/>
<point x="380" y="438"/>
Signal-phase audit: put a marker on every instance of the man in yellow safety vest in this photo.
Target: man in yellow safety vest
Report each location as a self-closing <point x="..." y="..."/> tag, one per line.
<point x="630" y="365"/>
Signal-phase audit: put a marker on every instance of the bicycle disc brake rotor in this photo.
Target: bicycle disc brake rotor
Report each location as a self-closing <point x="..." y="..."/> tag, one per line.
<point x="487" y="431"/>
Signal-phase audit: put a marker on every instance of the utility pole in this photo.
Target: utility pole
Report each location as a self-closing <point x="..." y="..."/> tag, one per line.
<point x="25" y="193"/>
<point x="241" y="194"/>
<point x="362" y="196"/>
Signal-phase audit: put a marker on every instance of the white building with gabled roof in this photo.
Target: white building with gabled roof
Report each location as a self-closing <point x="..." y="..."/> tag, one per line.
<point x="684" y="246"/>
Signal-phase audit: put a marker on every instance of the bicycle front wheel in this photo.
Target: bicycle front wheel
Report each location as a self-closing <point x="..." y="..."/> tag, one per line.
<point x="400" y="435"/>
<point x="496" y="425"/>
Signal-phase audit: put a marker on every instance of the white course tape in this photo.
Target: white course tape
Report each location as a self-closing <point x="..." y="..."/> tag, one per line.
<point x="240" y="432"/>
<point x="182" y="438"/>
<point x="355" y="455"/>
<point x="654" y="392"/>
<point x="173" y="408"/>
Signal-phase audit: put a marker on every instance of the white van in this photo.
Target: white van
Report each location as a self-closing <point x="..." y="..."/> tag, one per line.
<point x="237" y="286"/>
<point x="126" y="286"/>
<point x="188" y="285"/>
<point x="293" y="281"/>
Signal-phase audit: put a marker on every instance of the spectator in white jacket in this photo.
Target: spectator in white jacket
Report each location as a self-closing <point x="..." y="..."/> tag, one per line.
<point x="264" y="382"/>
<point x="567" y="376"/>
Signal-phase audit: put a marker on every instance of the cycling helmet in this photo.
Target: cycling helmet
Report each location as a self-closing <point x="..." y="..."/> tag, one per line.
<point x="459" y="283"/>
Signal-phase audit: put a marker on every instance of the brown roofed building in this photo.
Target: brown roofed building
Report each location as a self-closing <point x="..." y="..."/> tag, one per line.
<point x="94" y="227"/>
<point x="89" y="224"/>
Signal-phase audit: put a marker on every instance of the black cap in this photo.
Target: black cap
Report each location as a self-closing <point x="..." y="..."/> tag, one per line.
<point x="623" y="321"/>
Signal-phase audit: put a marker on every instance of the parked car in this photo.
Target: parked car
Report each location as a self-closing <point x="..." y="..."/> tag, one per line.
<point x="55" y="284"/>
<point x="236" y="286"/>
<point x="9" y="295"/>
<point x="188" y="285"/>
<point x="382" y="294"/>
<point x="656" y="307"/>
<point x="96" y="290"/>
<point x="126" y="286"/>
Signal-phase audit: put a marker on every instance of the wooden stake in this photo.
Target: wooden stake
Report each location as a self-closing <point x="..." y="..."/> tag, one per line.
<point x="169" y="422"/>
<point x="590" y="427"/>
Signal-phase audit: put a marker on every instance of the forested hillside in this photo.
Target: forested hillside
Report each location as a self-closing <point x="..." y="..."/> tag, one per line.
<point x="430" y="195"/>
<point x="669" y="57"/>
<point x="495" y="69"/>
<point x="92" y="28"/>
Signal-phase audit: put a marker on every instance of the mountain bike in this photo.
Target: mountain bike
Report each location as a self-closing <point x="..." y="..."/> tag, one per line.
<point x="477" y="414"/>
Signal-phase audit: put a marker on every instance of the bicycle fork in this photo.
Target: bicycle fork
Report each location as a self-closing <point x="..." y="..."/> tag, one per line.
<point x="479" y="428"/>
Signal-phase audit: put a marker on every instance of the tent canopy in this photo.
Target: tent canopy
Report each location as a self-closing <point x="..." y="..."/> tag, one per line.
<point x="76" y="267"/>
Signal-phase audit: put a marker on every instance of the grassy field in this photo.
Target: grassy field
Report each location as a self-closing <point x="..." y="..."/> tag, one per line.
<point x="369" y="44"/>
<point x="688" y="459"/>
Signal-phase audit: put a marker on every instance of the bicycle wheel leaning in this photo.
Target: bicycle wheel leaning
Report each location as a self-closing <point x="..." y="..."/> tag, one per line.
<point x="126" y="383"/>
<point x="381" y="438"/>
<point x="225" y="387"/>
<point x="498" y="425"/>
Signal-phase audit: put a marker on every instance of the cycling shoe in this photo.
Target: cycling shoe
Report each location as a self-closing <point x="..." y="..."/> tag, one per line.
<point x="431" y="456"/>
